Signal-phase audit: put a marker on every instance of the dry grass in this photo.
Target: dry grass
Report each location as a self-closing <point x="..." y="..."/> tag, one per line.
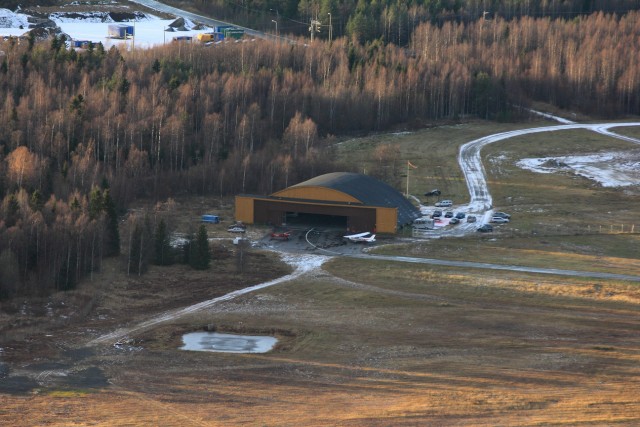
<point x="616" y="253"/>
<point x="385" y="344"/>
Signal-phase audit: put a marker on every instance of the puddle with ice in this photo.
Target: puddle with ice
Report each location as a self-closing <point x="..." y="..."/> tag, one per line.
<point x="227" y="343"/>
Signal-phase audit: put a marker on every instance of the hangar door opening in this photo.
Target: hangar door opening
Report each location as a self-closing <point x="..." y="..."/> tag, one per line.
<point x="354" y="218"/>
<point x="316" y="220"/>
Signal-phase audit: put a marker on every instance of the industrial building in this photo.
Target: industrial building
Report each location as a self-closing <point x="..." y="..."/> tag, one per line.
<point x="354" y="201"/>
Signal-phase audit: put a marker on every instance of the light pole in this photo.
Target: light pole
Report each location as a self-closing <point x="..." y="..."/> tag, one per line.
<point x="275" y="22"/>
<point x="330" y="27"/>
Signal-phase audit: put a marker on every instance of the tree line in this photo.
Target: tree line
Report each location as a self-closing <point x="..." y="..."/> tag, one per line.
<point x="99" y="128"/>
<point x="391" y="21"/>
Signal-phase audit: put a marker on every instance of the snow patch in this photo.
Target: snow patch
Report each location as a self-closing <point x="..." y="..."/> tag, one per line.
<point x="9" y="19"/>
<point x="611" y="169"/>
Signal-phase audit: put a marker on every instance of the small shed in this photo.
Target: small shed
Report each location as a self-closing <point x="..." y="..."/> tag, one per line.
<point x="182" y="39"/>
<point x="81" y="44"/>
<point x="120" y="31"/>
<point x="211" y="219"/>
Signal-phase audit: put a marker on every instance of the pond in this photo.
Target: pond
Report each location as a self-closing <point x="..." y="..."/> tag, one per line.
<point x="227" y="343"/>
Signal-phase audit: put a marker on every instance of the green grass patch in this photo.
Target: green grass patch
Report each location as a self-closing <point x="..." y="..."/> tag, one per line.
<point x="434" y="151"/>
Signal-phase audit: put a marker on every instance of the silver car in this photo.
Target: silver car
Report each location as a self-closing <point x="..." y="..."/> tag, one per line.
<point x="499" y="220"/>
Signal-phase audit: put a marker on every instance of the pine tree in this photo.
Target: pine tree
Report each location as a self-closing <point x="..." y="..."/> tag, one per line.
<point x="199" y="253"/>
<point x="163" y="252"/>
<point x="112" y="245"/>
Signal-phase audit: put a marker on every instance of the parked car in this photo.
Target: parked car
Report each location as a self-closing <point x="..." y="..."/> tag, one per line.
<point x="434" y="192"/>
<point x="448" y="214"/>
<point x="471" y="218"/>
<point x="436" y="214"/>
<point x="444" y="204"/>
<point x="502" y="215"/>
<point x="499" y="220"/>
<point x="460" y="215"/>
<point x="236" y="229"/>
<point x="454" y="221"/>
<point x="486" y="228"/>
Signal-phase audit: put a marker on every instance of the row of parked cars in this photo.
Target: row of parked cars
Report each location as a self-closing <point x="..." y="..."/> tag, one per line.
<point x="455" y="218"/>
<point x="497" y="218"/>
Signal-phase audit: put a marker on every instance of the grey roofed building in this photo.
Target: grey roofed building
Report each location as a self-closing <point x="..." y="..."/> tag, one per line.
<point x="368" y="190"/>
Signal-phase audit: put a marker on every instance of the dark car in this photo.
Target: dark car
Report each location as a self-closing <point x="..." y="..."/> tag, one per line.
<point x="471" y="218"/>
<point x="448" y="214"/>
<point x="454" y="221"/>
<point x="460" y="215"/>
<point x="486" y="228"/>
<point x="436" y="214"/>
<point x="434" y="192"/>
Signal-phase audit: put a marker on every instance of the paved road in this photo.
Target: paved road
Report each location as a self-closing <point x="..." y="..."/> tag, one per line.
<point x="483" y="265"/>
<point x="152" y="4"/>
<point x="473" y="169"/>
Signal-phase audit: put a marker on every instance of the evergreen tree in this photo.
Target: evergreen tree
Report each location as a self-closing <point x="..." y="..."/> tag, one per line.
<point x="163" y="252"/>
<point x="140" y="248"/>
<point x="199" y="253"/>
<point x="112" y="244"/>
<point x="96" y="203"/>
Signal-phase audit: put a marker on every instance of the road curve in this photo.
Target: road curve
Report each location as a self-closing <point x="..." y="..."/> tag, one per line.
<point x="471" y="163"/>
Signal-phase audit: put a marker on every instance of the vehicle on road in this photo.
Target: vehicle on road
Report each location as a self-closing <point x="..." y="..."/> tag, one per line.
<point x="448" y="214"/>
<point x="486" y="228"/>
<point x="460" y="215"/>
<point x="436" y="214"/>
<point x="444" y="204"/>
<point x="454" y="221"/>
<point x="471" y="218"/>
<point x="280" y="235"/>
<point x="502" y="215"/>
<point x="423" y="224"/>
<point x="499" y="220"/>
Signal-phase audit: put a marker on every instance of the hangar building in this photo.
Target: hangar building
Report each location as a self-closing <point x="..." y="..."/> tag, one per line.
<point x="355" y="201"/>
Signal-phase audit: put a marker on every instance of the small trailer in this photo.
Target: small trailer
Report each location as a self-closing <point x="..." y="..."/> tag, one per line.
<point x="210" y="37"/>
<point x="80" y="44"/>
<point x="120" y="31"/>
<point x="182" y="39"/>
<point x="211" y="219"/>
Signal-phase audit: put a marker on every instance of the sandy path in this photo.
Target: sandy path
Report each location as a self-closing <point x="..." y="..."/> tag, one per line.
<point x="302" y="263"/>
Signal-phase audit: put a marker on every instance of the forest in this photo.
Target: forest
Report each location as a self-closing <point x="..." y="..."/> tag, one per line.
<point x="387" y="20"/>
<point x="84" y="133"/>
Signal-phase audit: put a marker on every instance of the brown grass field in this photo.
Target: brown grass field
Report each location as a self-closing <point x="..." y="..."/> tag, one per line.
<point x="361" y="343"/>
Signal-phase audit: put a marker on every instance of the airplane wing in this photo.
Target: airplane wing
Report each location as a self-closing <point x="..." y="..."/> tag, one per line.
<point x="356" y="236"/>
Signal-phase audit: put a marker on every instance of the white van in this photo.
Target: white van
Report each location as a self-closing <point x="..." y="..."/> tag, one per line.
<point x="444" y="204"/>
<point x="423" y="224"/>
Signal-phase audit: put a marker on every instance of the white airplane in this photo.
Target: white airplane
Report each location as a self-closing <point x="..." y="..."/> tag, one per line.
<point x="361" y="237"/>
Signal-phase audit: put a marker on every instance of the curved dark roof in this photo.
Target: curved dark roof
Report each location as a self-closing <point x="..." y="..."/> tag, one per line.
<point x="368" y="190"/>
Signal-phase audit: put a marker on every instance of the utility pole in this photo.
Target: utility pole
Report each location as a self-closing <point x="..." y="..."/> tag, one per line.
<point x="314" y="28"/>
<point x="330" y="27"/>
<point x="275" y="22"/>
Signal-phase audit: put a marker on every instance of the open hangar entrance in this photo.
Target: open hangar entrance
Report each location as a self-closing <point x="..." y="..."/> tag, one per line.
<point x="345" y="217"/>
